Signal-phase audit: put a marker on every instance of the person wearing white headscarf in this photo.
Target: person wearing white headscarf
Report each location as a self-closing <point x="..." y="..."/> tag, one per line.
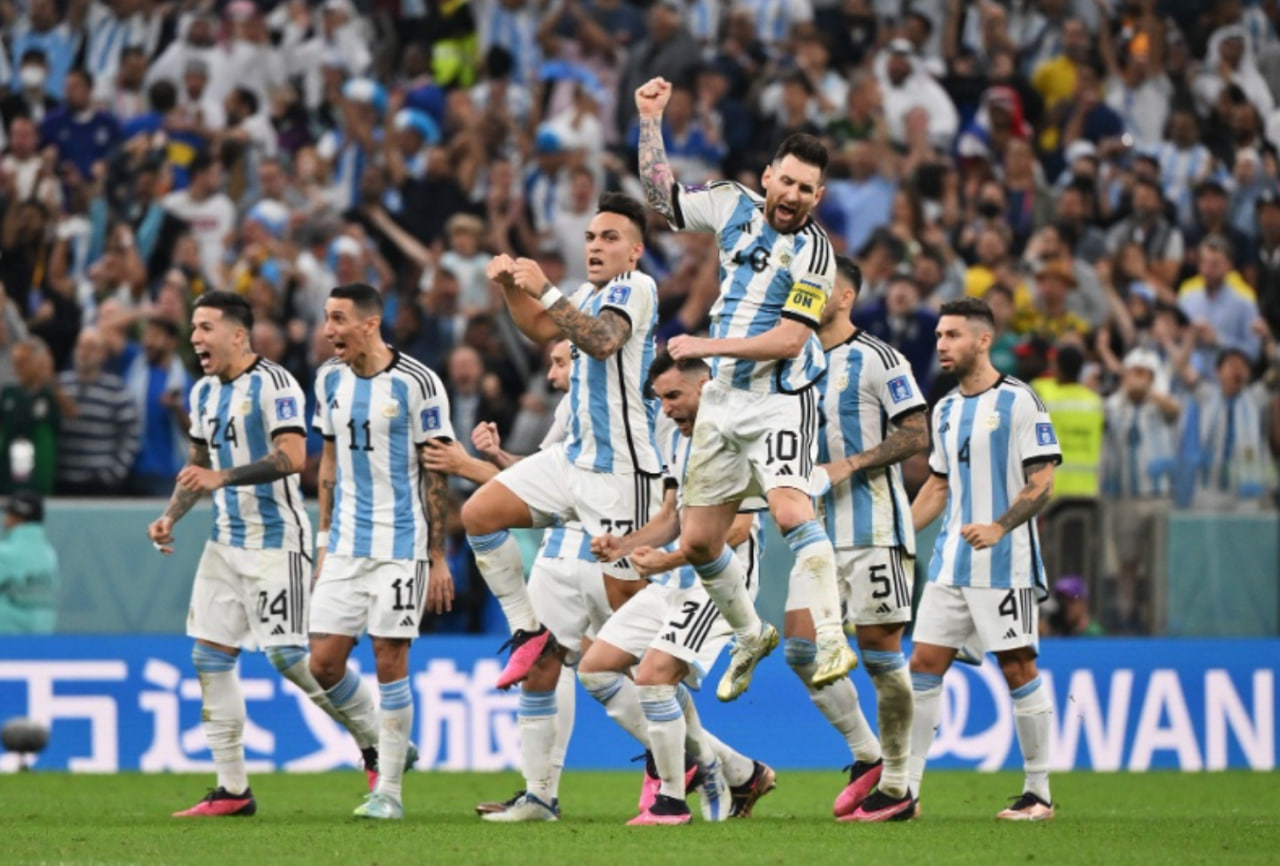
<point x="1230" y="60"/>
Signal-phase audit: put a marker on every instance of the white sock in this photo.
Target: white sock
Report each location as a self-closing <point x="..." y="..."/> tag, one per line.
<point x="621" y="701"/>
<point x="838" y="702"/>
<point x="895" y="707"/>
<point x="396" y="718"/>
<point x="1032" y="712"/>
<point x="815" y="563"/>
<point x="667" y="731"/>
<point x="498" y="558"/>
<point x="725" y="581"/>
<point x="224" y="715"/>
<point x="737" y="768"/>
<point x="537" y="716"/>
<point x="294" y="664"/>
<point x="927" y="689"/>
<point x="352" y="701"/>
<point x="566" y="706"/>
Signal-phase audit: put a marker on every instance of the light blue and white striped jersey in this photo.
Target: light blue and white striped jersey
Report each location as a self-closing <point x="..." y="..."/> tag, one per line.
<point x="377" y="425"/>
<point x="563" y="540"/>
<point x="765" y="277"/>
<point x="676" y="449"/>
<point x="1180" y="171"/>
<point x="1233" y="455"/>
<point x="1139" y="447"/>
<point x="868" y="388"/>
<point x="610" y="421"/>
<point x="237" y="421"/>
<point x="981" y="444"/>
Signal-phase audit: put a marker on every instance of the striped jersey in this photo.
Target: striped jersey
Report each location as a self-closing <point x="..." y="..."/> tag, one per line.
<point x="868" y="388"/>
<point x="97" y="445"/>
<point x="563" y="540"/>
<point x="610" y="421"/>
<point x="377" y="425"/>
<point x="765" y="276"/>
<point x="676" y="447"/>
<point x="981" y="445"/>
<point x="237" y="421"/>
<point x="1139" y="447"/>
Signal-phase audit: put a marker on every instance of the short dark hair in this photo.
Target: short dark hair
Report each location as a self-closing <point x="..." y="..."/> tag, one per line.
<point x="625" y="206"/>
<point x="200" y="163"/>
<point x="366" y="298"/>
<point x="974" y="309"/>
<point x="133" y="50"/>
<point x="248" y="98"/>
<point x="169" y="326"/>
<point x="36" y="54"/>
<point x="809" y="149"/>
<point x="85" y="75"/>
<point x="234" y="307"/>
<point x="1066" y="233"/>
<point x="162" y="96"/>
<point x="663" y="362"/>
<point x="1070" y="361"/>
<point x="848" y="268"/>
<point x="905" y="277"/>
<point x="1232" y="352"/>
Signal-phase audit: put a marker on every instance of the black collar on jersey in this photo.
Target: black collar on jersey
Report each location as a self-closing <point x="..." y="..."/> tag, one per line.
<point x="395" y="359"/>
<point x="257" y="359"/>
<point x="998" y="382"/>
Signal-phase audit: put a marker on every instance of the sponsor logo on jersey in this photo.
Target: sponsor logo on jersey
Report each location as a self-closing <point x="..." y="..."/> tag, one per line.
<point x="286" y="408"/>
<point x="431" y="419"/>
<point x="1045" y="435"/>
<point x="899" y="389"/>
<point x="617" y="295"/>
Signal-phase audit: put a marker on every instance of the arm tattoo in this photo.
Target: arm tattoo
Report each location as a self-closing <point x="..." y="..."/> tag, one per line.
<point x="436" y="485"/>
<point x="182" y="500"/>
<point x="273" y="467"/>
<point x="910" y="438"/>
<point x="655" y="171"/>
<point x="1031" y="499"/>
<point x="599" y="336"/>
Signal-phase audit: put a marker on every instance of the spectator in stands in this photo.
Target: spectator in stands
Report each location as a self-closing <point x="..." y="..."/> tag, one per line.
<point x="1049" y="318"/>
<point x="208" y="211"/>
<point x="1076" y="411"/>
<point x="159" y="385"/>
<point x="48" y="34"/>
<point x="30" y="413"/>
<point x="13" y="330"/>
<point x="29" y="97"/>
<point x="1266" y="273"/>
<point x="907" y="86"/>
<point x="1147" y="226"/>
<point x="1056" y="243"/>
<point x="82" y="135"/>
<point x="904" y="323"/>
<point x="98" y="442"/>
<point x="1068" y="609"/>
<point x="669" y="51"/>
<point x="28" y="568"/>
<point x="1221" y="307"/>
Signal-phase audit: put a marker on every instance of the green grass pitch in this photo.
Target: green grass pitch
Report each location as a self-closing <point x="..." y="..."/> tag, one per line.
<point x="305" y="819"/>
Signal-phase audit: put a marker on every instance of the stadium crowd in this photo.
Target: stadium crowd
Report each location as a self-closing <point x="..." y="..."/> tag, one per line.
<point x="1105" y="174"/>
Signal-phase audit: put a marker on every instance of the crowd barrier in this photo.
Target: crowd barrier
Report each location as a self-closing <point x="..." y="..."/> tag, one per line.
<point x="133" y="703"/>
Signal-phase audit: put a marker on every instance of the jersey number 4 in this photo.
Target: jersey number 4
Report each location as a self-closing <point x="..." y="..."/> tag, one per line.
<point x="963" y="456"/>
<point x="229" y="434"/>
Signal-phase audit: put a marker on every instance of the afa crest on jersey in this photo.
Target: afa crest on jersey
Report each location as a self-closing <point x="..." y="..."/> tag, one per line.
<point x="430" y="419"/>
<point x="286" y="408"/>
<point x="1045" y="435"/>
<point x="900" y="389"/>
<point x="617" y="295"/>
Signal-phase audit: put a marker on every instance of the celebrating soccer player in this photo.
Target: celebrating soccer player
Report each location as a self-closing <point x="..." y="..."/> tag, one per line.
<point x="382" y="522"/>
<point x="757" y="431"/>
<point x="251" y="586"/>
<point x="994" y="450"/>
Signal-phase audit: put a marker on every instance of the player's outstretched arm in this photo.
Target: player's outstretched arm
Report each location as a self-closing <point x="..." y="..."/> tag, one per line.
<point x="599" y="336"/>
<point x="450" y="458"/>
<point x="488" y="442"/>
<point x="662" y="528"/>
<point x="929" y="502"/>
<point x="911" y="436"/>
<point x="783" y="341"/>
<point x="655" y="169"/>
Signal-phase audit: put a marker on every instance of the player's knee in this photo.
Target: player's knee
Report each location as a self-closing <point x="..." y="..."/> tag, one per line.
<point x="211" y="660"/>
<point x="1018" y="669"/>
<point x="328" y="672"/>
<point x="475" y="517"/>
<point x="601" y="685"/>
<point x="799" y="652"/>
<point x="283" y="658"/>
<point x="667" y="672"/>
<point x="698" y="550"/>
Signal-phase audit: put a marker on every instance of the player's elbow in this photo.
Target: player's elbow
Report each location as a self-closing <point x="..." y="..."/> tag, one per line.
<point x="791" y="343"/>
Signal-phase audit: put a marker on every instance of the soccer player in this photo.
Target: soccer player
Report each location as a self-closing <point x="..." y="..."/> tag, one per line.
<point x="757" y="431"/>
<point x="674" y="632"/>
<point x="566" y="589"/>
<point x="607" y="473"/>
<point x="994" y="452"/>
<point x="382" y="522"/>
<point x="251" y="586"/>
<point x="874" y="417"/>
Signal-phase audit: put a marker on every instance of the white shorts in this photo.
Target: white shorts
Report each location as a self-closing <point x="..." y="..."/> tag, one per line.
<point x="556" y="489"/>
<point x="683" y="623"/>
<point x="746" y="444"/>
<point x="249" y="598"/>
<point x="875" y="585"/>
<point x="993" y="620"/>
<point x="569" y="598"/>
<point x="379" y="597"/>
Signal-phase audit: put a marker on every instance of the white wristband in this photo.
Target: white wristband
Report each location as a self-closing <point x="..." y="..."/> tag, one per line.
<point x="550" y="298"/>
<point x="322" y="540"/>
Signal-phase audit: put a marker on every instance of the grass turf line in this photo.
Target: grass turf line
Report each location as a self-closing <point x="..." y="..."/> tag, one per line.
<point x="306" y="819"/>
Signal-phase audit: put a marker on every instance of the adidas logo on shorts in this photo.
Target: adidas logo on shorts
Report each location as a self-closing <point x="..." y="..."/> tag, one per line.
<point x="669" y="637"/>
<point x="407" y="622"/>
<point x="884" y="608"/>
<point x="279" y="629"/>
<point x="1010" y="634"/>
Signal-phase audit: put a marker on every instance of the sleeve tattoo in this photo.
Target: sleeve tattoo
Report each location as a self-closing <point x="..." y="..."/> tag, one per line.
<point x="436" y="485"/>
<point x="599" y="336"/>
<point x="182" y="500"/>
<point x="1032" y="498"/>
<point x="274" y="466"/>
<point x="655" y="171"/>
<point x="911" y="437"/>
